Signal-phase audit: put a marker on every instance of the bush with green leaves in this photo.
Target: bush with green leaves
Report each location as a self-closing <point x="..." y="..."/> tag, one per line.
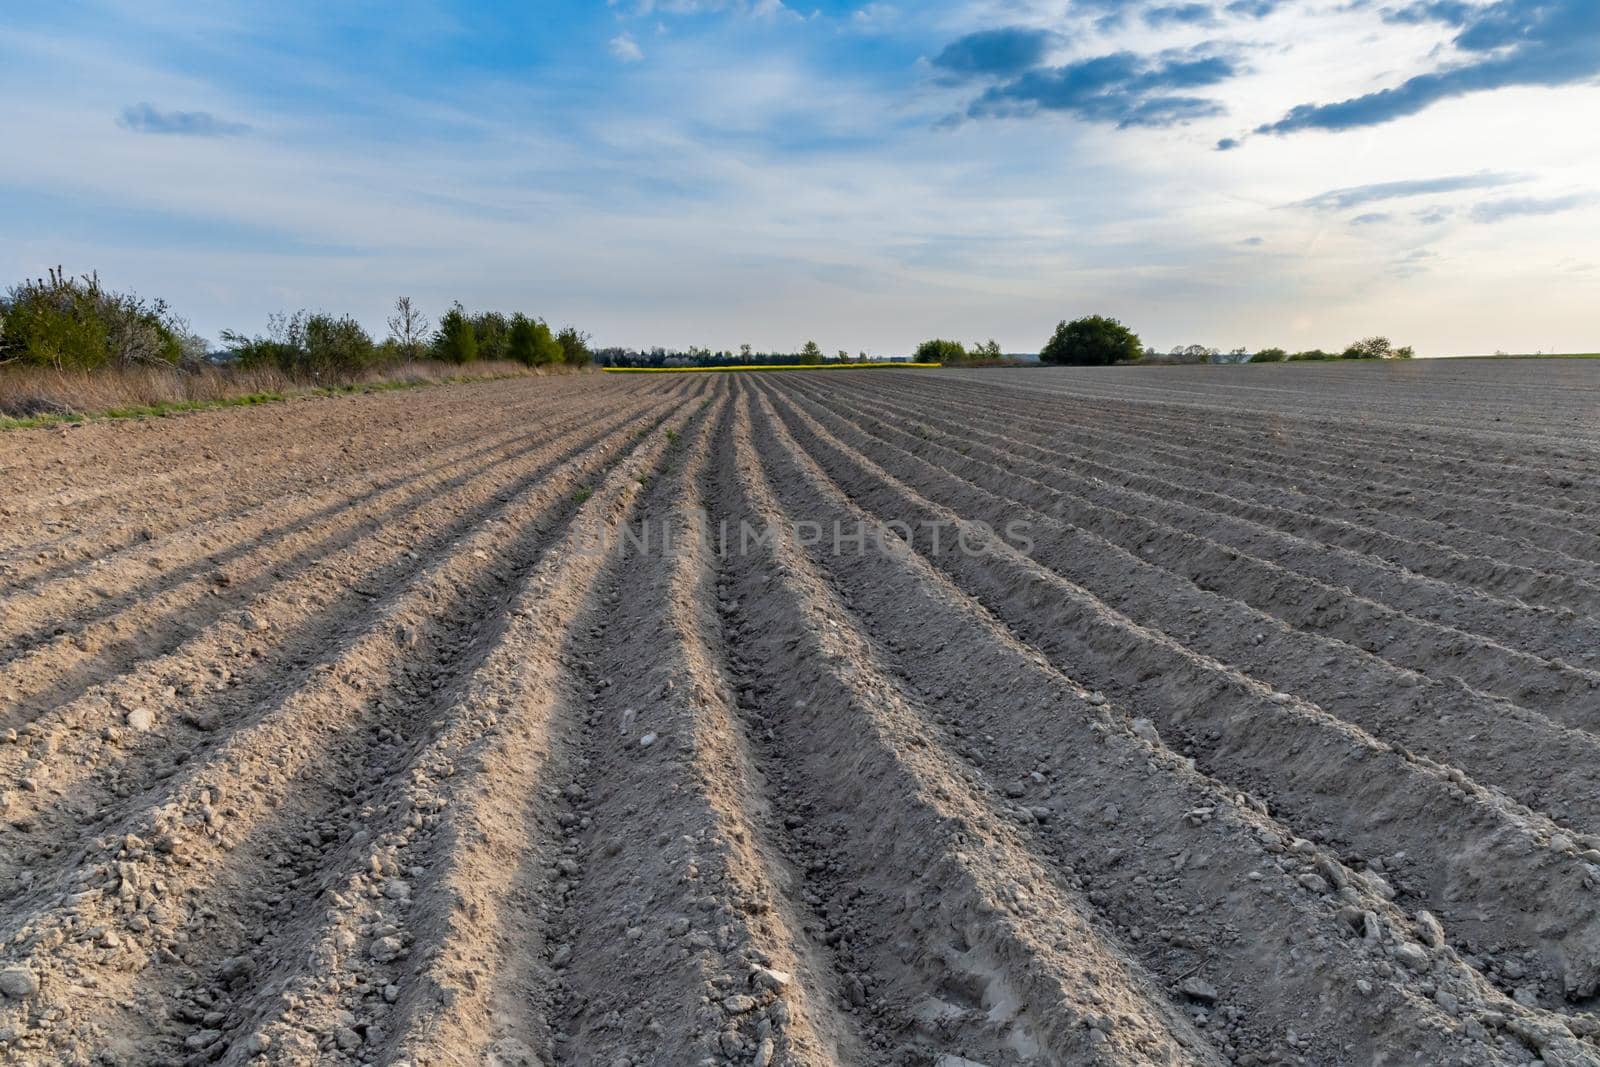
<point x="1269" y="355"/>
<point x="1377" y="348"/>
<point x="532" y="344"/>
<point x="76" y="324"/>
<point x="455" y="341"/>
<point x="312" y="345"/>
<point x="1311" y="355"/>
<point x="492" y="330"/>
<point x="575" y="351"/>
<point x="1094" y="340"/>
<point x="940" y="351"/>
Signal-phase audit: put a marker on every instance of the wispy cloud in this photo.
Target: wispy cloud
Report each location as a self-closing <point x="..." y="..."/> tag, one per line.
<point x="143" y="118"/>
<point x="1413" y="263"/>
<point x="1186" y="14"/>
<point x="1515" y="207"/>
<point x="1355" y="196"/>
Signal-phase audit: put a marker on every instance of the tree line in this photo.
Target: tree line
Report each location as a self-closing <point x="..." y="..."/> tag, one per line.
<point x="319" y="344"/>
<point x="75" y="323"/>
<point x="1096" y="340"/>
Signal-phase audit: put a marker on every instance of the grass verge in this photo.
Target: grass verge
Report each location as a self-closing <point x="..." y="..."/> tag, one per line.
<point x="67" y="398"/>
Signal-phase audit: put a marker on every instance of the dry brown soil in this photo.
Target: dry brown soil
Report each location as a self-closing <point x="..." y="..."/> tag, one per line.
<point x="353" y="731"/>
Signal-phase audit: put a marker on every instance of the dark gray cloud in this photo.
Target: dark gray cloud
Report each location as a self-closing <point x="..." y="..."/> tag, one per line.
<point x="1002" y="53"/>
<point x="1504" y="43"/>
<point x="1121" y="88"/>
<point x="1518" y="207"/>
<point x="143" y="118"/>
<point x="1355" y="196"/>
<point x="1253" y="242"/>
<point x="1228" y="144"/>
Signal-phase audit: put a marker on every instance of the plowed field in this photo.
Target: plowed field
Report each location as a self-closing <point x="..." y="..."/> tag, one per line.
<point x="1135" y="716"/>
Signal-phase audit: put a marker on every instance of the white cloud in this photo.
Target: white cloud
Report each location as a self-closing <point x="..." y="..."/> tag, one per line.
<point x="626" y="49"/>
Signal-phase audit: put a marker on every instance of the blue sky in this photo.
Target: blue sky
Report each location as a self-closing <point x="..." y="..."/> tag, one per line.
<point x="719" y="172"/>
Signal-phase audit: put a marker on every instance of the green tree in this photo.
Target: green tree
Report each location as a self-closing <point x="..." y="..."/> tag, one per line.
<point x="989" y="349"/>
<point x="811" y="353"/>
<point x="1269" y="355"/>
<point x="1094" y="340"/>
<point x="455" y="341"/>
<point x="574" y="347"/>
<point x="335" y="347"/>
<point x="1377" y="348"/>
<point x="940" y="351"/>
<point x="307" y="345"/>
<point x="531" y="343"/>
<point x="493" y="333"/>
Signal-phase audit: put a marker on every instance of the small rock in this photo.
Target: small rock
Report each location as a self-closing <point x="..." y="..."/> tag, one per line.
<point x="346" y="1038"/>
<point x="1314" y="882"/>
<point x="385" y="949"/>
<point x="236" y="967"/>
<point x="1429" y="930"/>
<point x="1412" y="956"/>
<point x="648" y="739"/>
<point x="1146" y="729"/>
<point x="18" y="982"/>
<point x="1561" y="843"/>
<point x="738" y="1004"/>
<point x="1198" y="988"/>
<point x="767" y="978"/>
<point x="141" y="719"/>
<point x="202" y="1039"/>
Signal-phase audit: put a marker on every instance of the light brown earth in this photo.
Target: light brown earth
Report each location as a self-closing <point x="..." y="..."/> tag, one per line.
<point x="337" y="732"/>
